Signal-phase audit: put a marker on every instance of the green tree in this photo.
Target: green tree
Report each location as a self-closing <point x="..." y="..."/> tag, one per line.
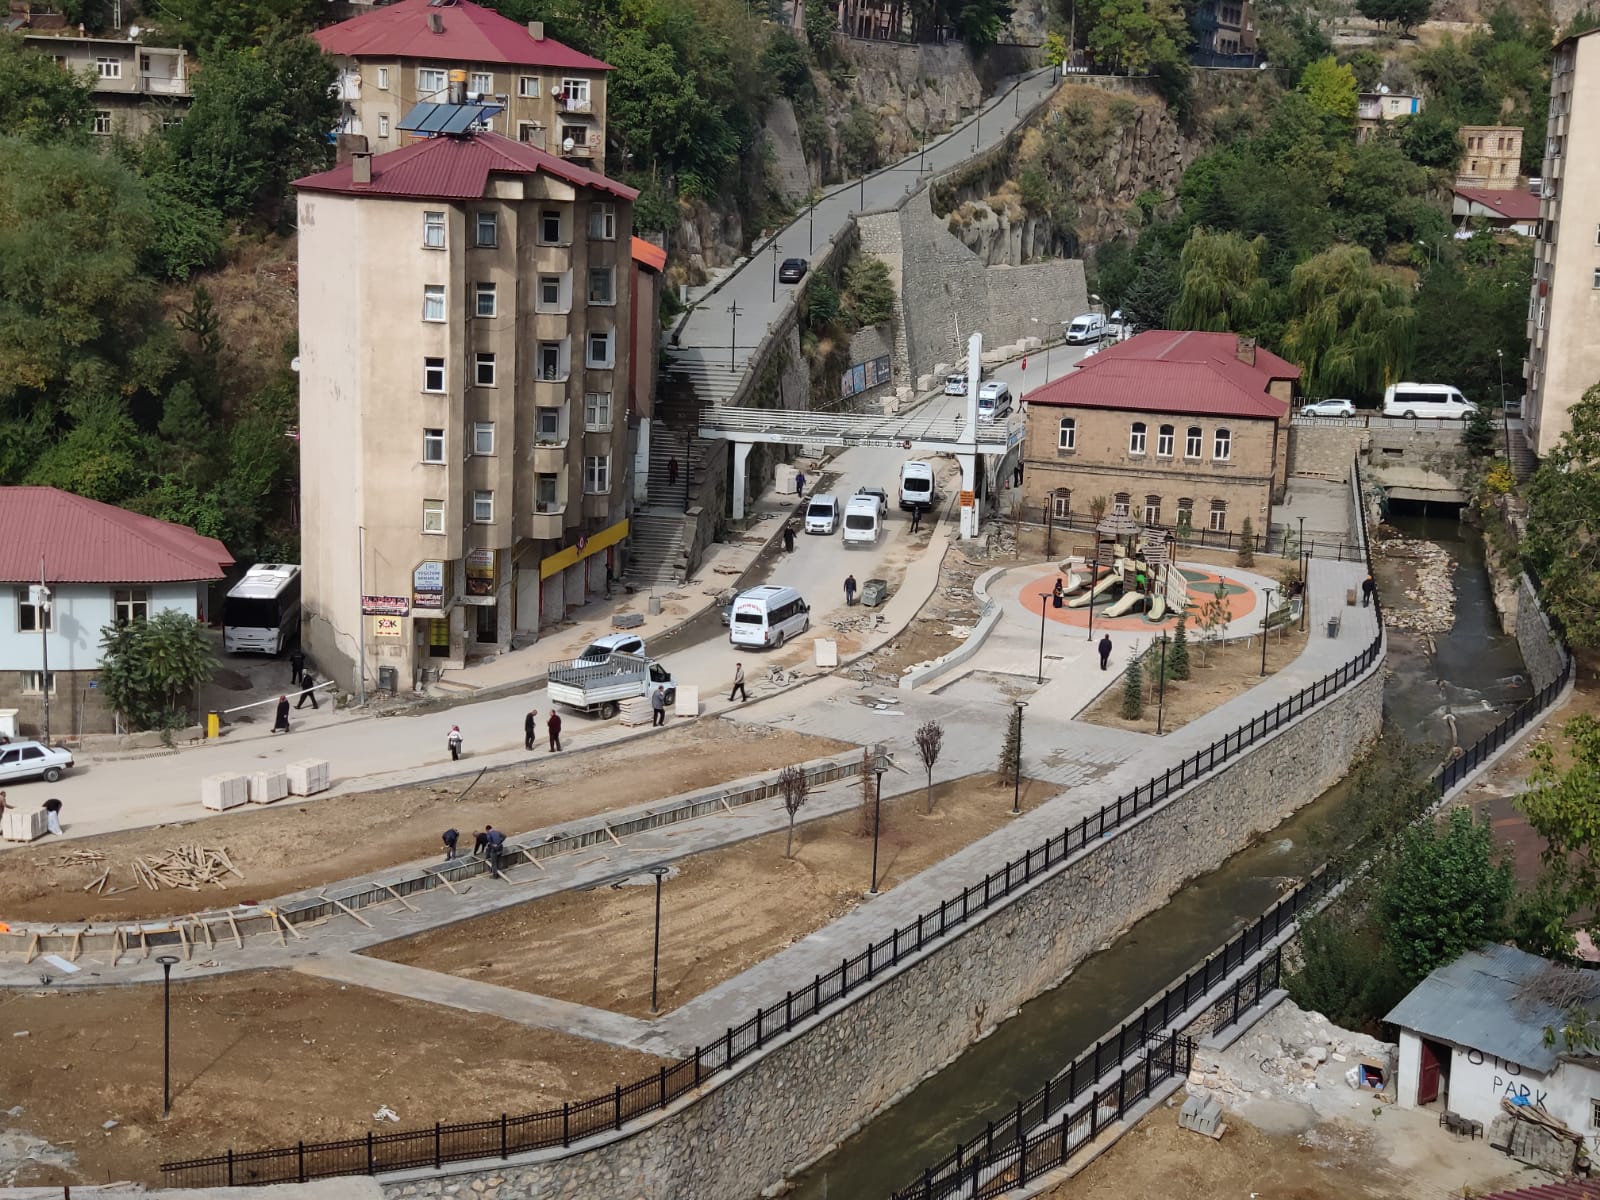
<point x="39" y="101"/>
<point x="1479" y="436"/>
<point x="1133" y="688"/>
<point x="149" y="670"/>
<point x="869" y="292"/>
<point x="1478" y="290"/>
<point x="858" y="140"/>
<point x="1010" y="767"/>
<point x="784" y="61"/>
<point x="1153" y="292"/>
<point x="1345" y="973"/>
<point x="1446" y="893"/>
<point x="1562" y="542"/>
<point x="1431" y="138"/>
<point x="1056" y="50"/>
<point x="1246" y="557"/>
<point x="1179" y="654"/>
<point x="1331" y="88"/>
<point x="1220" y="287"/>
<point x="822" y="22"/>
<point x="1135" y="35"/>
<point x="821" y="304"/>
<point x="1350" y="326"/>
<point x="211" y="28"/>
<point x="1562" y="805"/>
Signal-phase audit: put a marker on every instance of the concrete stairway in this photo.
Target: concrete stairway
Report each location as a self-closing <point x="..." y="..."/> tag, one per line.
<point x="667" y="445"/>
<point x="705" y="372"/>
<point x="1523" y="460"/>
<point x="656" y="559"/>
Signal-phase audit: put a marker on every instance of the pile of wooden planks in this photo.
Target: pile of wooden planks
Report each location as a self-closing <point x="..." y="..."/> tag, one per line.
<point x="189" y="867"/>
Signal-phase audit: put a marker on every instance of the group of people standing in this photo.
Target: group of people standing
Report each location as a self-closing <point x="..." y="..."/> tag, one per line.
<point x="300" y="676"/>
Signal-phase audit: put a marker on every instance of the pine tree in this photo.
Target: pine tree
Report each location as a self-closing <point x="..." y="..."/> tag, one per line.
<point x="1011" y="752"/>
<point x="1133" y="689"/>
<point x="1178" y="653"/>
<point x="1247" y="545"/>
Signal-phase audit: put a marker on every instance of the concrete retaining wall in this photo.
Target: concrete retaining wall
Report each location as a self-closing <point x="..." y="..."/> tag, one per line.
<point x="1542" y="653"/>
<point x="1324" y="451"/>
<point x="782" y="1110"/>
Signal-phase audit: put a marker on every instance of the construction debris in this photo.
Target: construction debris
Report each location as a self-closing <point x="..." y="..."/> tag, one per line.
<point x="77" y="858"/>
<point x="188" y="867"/>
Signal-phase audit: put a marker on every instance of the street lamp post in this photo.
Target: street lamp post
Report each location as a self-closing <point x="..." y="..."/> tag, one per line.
<point x="655" y="955"/>
<point x="1094" y="578"/>
<point x="811" y="228"/>
<point x="1305" y="576"/>
<point x="1044" y="599"/>
<point x="1161" y="686"/>
<point x="733" y="333"/>
<point x="167" y="961"/>
<point x="1016" y="776"/>
<point x="861" y="202"/>
<point x="1265" y="617"/>
<point x="1505" y="418"/>
<point x="774" y="268"/>
<point x="877" y="812"/>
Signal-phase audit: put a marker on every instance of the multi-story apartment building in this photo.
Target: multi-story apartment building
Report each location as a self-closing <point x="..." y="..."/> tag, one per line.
<point x="1491" y="158"/>
<point x="1223" y="29"/>
<point x="137" y="88"/>
<point x="1564" y="307"/>
<point x="465" y="371"/>
<point x="1173" y="428"/>
<point x="400" y="55"/>
<point x="1376" y="109"/>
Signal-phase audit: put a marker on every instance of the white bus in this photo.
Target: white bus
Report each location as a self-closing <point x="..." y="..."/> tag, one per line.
<point x="261" y="614"/>
<point x="767" y="616"/>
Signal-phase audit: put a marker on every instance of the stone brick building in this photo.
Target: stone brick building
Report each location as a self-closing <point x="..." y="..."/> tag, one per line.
<point x="1492" y="158"/>
<point x="1170" y="427"/>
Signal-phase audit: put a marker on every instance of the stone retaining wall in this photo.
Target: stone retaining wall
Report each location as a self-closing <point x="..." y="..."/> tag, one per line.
<point x="780" y="1111"/>
<point x="1541" y="652"/>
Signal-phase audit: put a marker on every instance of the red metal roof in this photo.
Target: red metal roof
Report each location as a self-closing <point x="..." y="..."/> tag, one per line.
<point x="456" y="168"/>
<point x="648" y="254"/>
<point x="472" y="34"/>
<point x="1175" y="371"/>
<point x="1514" y="204"/>
<point x="85" y="541"/>
<point x="1587" y="1189"/>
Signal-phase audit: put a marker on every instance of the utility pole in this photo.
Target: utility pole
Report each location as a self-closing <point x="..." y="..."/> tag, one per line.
<point x="43" y="611"/>
<point x="733" y="333"/>
<point x="774" y="268"/>
<point x="1266" y="617"/>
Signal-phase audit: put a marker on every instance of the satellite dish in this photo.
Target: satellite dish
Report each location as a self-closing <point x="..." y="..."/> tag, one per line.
<point x="567" y="144"/>
<point x="294" y="364"/>
<point x="133" y="33"/>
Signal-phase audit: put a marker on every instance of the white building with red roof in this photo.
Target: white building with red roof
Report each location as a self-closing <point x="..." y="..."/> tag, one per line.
<point x="392" y="58"/>
<point x="101" y="565"/>
<point x="1176" y="428"/>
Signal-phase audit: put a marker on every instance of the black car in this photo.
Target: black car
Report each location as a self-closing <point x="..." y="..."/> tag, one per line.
<point x="793" y="270"/>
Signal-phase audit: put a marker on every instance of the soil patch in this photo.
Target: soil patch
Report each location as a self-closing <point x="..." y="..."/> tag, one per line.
<point x="722" y="913"/>
<point x="1217" y="674"/>
<point x="266" y="1059"/>
<point x="289" y="847"/>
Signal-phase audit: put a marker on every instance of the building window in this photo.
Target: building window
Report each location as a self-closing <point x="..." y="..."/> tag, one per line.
<point x="1594" y="1114"/>
<point x="1061" y="504"/>
<point x="1164" y="441"/>
<point x="433" y="374"/>
<point x="430" y="82"/>
<point x="433" y="516"/>
<point x="108" y="68"/>
<point x="1596" y="277"/>
<point x="1067" y="434"/>
<point x="488" y="303"/>
<point x="547" y="493"/>
<point x="1222" y="446"/>
<point x="550" y="227"/>
<point x="603" y="222"/>
<point x="530" y="133"/>
<point x="1152" y="510"/>
<point x="528" y="85"/>
<point x="551" y="366"/>
<point x="550" y="292"/>
<point x="597" y="411"/>
<point x="483" y="508"/>
<point x="34" y="683"/>
<point x="547" y="426"/>
<point x="481" y="82"/>
<point x="1191" y="442"/>
<point x="601" y="290"/>
<point x="383" y="78"/>
<point x="488" y="229"/>
<point x="433" y="302"/>
<point x="433" y="445"/>
<point x="1185" y="512"/>
<point x="597" y="350"/>
<point x="483" y="438"/>
<point x="1136" y="438"/>
<point x="597" y="475"/>
<point x="433" y="230"/>
<point x="383" y="125"/>
<point x="1119" y="504"/>
<point x="102" y="120"/>
<point x="28" y="614"/>
<point x="575" y="93"/>
<point x="483" y="370"/>
<point x="1219" y="516"/>
<point x="578" y="135"/>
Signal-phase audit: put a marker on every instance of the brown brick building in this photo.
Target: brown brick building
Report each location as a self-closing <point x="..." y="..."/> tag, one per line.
<point x="1167" y="426"/>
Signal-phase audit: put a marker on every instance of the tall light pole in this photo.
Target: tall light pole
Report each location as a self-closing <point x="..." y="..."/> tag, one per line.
<point x="1016" y="776"/>
<point x="167" y="961"/>
<point x="811" y="228"/>
<point x="42" y="615"/>
<point x="877" y="813"/>
<point x="774" y="268"/>
<point x="1505" y="418"/>
<point x="861" y="202"/>
<point x="1044" y="599"/>
<point x="1265" y="618"/>
<point x="733" y="333"/>
<point x="1161" y="685"/>
<point x="655" y="954"/>
<point x="1305" y="576"/>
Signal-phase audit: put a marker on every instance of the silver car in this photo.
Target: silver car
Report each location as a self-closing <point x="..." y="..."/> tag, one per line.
<point x="1328" y="408"/>
<point x="32" y="760"/>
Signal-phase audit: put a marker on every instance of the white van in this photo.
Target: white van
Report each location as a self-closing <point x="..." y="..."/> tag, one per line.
<point x="863" y="521"/>
<point x="1426" y="400"/>
<point x="1089" y="327"/>
<point x="955" y="385"/>
<point x="994" y="401"/>
<point x="916" y="485"/>
<point x="767" y="616"/>
<point x="822" y="514"/>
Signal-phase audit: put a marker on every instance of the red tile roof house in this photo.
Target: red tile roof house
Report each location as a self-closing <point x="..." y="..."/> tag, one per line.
<point x="394" y="57"/>
<point x="1172" y="427"/>
<point x="102" y="564"/>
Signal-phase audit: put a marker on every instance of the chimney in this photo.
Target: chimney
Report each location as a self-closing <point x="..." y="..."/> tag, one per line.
<point x="536" y="30"/>
<point x="1246" y="350"/>
<point x="361" y="168"/>
<point x="435" y="22"/>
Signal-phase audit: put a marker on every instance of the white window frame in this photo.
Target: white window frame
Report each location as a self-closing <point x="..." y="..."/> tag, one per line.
<point x="1194" y="442"/>
<point x="383" y="125"/>
<point x="428" y="365"/>
<point x="35" y="682"/>
<point x="545" y="303"/>
<point x="1137" y="432"/>
<point x="553" y="436"/>
<point x="1594" y="1113"/>
<point x="597" y="475"/>
<point x="575" y="91"/>
<point x="30" y="624"/>
<point x="609" y="274"/>
<point x="597" y="412"/>
<point x="1067" y="434"/>
<point x="528" y="87"/>
<point x="484" y="78"/>
<point x="108" y="68"/>
<point x="1152" y="512"/>
<point x="431" y="82"/>
<point x="130" y="604"/>
<point x="578" y="135"/>
<point x="1217" y="518"/>
<point x="610" y="359"/>
<point x="602" y="221"/>
<point x="482" y="507"/>
<point x="1222" y="445"/>
<point x="1060" y="504"/>
<point x="433" y="303"/>
<point x="433" y="446"/>
<point x="1185" y="505"/>
<point x="383" y="79"/>
<point x="1166" y="440"/>
<point x="538" y="363"/>
<point x="483" y="439"/>
<point x="433" y="231"/>
<point x="102" y="122"/>
<point x="482" y="292"/>
<point x="554" y="504"/>
<point x="483" y="369"/>
<point x="544" y="218"/>
<point x="1120" y="503"/>
<point x="482" y="220"/>
<point x="433" y="516"/>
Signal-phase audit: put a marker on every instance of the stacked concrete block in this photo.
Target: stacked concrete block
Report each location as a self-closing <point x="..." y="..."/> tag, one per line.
<point x="268" y="786"/>
<point x="23" y="825"/>
<point x="225" y="791"/>
<point x="636" y="711"/>
<point x="687" y="702"/>
<point x="308" y="776"/>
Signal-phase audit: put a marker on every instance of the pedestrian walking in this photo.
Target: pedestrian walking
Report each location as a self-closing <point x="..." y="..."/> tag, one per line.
<point x="658" y="706"/>
<point x="554" y="726"/>
<point x="788" y="539"/>
<point x="916" y="519"/>
<point x="449" y="838"/>
<point x="1016" y="476"/>
<point x="297" y="665"/>
<point x="738" y="683"/>
<point x="1105" y="651"/>
<point x="1055" y="592"/>
<point x="307" y="683"/>
<point x="496" y="847"/>
<point x="799" y="483"/>
<point x="1367" y="588"/>
<point x="530" y="729"/>
<point x="480" y="841"/>
<point x="672" y="471"/>
<point x="281" y="723"/>
<point x="849" y="590"/>
<point x="454" y="739"/>
<point x="52" y="815"/>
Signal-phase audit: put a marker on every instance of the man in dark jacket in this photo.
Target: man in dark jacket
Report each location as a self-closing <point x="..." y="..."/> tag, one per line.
<point x="530" y="728"/>
<point x="307" y="682"/>
<point x="297" y="665"/>
<point x="1105" y="651"/>
<point x="496" y="847"/>
<point x="554" y="725"/>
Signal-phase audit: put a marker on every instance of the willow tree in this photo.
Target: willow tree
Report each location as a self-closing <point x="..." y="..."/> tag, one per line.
<point x="1219" y="283"/>
<point x="1351" y="325"/>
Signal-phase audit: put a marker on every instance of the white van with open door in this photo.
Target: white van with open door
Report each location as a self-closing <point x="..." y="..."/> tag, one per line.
<point x="1426" y="400"/>
<point x="768" y="616"/>
<point x="863" y="521"/>
<point x="916" y="485"/>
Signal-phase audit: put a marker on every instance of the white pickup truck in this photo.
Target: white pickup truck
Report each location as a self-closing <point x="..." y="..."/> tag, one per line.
<point x="601" y="686"/>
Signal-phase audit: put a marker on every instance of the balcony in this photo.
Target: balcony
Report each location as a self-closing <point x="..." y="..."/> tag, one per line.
<point x="349" y="85"/>
<point x="549" y="523"/>
<point x="577" y="150"/>
<point x="164" y="85"/>
<point x="567" y="104"/>
<point x="549" y="457"/>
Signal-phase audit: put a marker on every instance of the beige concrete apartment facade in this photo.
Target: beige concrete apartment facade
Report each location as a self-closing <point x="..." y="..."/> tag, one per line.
<point x="464" y="376"/>
<point x="1564" y="307"/>
<point x="397" y="56"/>
<point x="137" y="88"/>
<point x="1491" y="157"/>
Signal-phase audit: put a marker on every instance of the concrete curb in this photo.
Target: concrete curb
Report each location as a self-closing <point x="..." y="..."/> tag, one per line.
<point x="989" y="618"/>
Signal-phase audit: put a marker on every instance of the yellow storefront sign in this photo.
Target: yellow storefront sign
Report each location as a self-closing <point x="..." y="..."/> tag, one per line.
<point x="563" y="559"/>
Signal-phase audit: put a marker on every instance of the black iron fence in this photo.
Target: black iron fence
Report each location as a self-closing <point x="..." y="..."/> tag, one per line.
<point x="1284" y="541"/>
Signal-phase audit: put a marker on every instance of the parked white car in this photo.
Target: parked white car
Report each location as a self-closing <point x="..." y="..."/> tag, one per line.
<point x="1328" y="408"/>
<point x="32" y="760"/>
<point x="955" y="385"/>
<point x="822" y="514"/>
<point x="603" y="648"/>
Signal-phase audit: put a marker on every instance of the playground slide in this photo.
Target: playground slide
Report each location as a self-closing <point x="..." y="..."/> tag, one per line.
<point x="1110" y="581"/>
<point x="1158" y="607"/>
<point x="1126" y="604"/>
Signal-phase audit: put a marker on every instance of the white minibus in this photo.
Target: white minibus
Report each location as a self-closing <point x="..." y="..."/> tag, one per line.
<point x="768" y="616"/>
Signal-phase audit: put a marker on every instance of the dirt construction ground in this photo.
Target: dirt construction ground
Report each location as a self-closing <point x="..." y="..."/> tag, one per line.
<point x="292" y="846"/>
<point x="721" y="914"/>
<point x="260" y="1060"/>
